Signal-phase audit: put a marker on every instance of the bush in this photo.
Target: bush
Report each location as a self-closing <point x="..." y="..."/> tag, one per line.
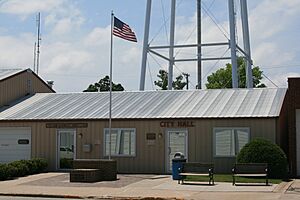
<point x="66" y="163"/>
<point x="40" y="164"/>
<point x="3" y="172"/>
<point x="263" y="151"/>
<point x="22" y="168"/>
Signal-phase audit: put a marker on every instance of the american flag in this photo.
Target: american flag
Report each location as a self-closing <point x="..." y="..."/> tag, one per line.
<point x="122" y="30"/>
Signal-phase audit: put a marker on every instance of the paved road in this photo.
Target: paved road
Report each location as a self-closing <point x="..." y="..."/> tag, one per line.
<point x="28" y="198"/>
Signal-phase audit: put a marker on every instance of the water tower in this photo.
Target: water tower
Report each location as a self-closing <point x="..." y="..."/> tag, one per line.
<point x="231" y="43"/>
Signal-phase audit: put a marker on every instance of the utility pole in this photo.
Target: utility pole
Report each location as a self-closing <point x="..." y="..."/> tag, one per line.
<point x="34" y="57"/>
<point x="187" y="79"/>
<point x="38" y="42"/>
<point x="199" y="48"/>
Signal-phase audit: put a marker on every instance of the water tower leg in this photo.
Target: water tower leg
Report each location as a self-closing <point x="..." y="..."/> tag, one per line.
<point x="145" y="45"/>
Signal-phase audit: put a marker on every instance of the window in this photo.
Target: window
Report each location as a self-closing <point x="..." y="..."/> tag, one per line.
<point x="122" y="142"/>
<point x="229" y="141"/>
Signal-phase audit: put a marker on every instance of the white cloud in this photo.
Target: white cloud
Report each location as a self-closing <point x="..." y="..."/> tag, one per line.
<point x="74" y="57"/>
<point x="16" y="52"/>
<point x="26" y="7"/>
<point x="97" y="35"/>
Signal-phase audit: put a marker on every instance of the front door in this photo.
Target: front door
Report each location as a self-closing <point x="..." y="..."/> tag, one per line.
<point x="176" y="142"/>
<point x="66" y="149"/>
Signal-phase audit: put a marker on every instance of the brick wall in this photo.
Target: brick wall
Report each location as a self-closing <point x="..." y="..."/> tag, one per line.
<point x="293" y="104"/>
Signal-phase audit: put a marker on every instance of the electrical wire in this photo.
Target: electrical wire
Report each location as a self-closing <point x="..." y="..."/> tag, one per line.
<point x="211" y="4"/>
<point x="186" y="40"/>
<point x="270" y="80"/>
<point x="280" y="66"/>
<point x="209" y="71"/>
<point x="215" y="21"/>
<point x="165" y="22"/>
<point x="182" y="73"/>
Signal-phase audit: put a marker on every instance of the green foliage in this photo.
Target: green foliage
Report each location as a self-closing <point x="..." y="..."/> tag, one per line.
<point x="66" y="163"/>
<point x="18" y="168"/>
<point x="222" y="77"/>
<point x="22" y="168"/>
<point x="104" y="85"/>
<point x="3" y="172"/>
<point x="263" y="151"/>
<point x="178" y="84"/>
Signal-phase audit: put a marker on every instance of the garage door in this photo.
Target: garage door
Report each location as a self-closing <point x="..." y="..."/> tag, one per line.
<point x="15" y="144"/>
<point x="298" y="140"/>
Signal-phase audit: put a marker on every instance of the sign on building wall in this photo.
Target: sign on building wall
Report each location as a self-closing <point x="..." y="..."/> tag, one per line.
<point x="176" y="124"/>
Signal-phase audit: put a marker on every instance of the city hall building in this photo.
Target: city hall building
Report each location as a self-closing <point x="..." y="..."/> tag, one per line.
<point x="148" y="127"/>
<point x="208" y="126"/>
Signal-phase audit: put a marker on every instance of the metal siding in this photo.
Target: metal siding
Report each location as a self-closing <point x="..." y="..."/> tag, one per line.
<point x="149" y="158"/>
<point x="15" y="87"/>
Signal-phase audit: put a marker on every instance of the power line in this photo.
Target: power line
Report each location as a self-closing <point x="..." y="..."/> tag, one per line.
<point x="183" y="73"/>
<point x="215" y="63"/>
<point x="270" y="80"/>
<point x="165" y="22"/>
<point x="280" y="66"/>
<point x="163" y="25"/>
<point x="214" y="20"/>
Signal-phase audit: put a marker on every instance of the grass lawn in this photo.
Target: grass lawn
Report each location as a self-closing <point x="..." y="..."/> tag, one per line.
<point x="228" y="178"/>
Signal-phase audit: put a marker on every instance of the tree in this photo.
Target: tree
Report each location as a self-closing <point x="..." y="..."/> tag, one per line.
<point x="178" y="84"/>
<point x="103" y="85"/>
<point x="222" y="77"/>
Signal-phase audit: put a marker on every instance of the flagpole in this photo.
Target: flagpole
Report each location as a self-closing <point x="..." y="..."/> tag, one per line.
<point x="110" y="81"/>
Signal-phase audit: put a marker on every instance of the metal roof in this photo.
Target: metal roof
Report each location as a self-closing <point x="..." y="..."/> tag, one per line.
<point x="5" y="73"/>
<point x="217" y="103"/>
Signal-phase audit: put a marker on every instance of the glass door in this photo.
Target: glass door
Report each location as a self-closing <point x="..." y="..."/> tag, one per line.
<point x="176" y="142"/>
<point x="65" y="148"/>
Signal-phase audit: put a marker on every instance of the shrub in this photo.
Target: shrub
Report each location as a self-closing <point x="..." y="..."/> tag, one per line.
<point x="263" y="151"/>
<point x="22" y="168"/>
<point x="40" y="164"/>
<point x="3" y="172"/>
<point x="66" y="163"/>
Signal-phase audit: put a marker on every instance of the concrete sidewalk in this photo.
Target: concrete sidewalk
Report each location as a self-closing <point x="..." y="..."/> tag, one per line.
<point x="143" y="186"/>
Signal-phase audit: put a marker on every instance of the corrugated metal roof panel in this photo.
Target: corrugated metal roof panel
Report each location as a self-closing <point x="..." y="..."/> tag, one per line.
<point x="229" y="103"/>
<point x="5" y="73"/>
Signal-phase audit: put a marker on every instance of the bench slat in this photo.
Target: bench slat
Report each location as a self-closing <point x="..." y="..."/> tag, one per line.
<point x="249" y="174"/>
<point x="193" y="174"/>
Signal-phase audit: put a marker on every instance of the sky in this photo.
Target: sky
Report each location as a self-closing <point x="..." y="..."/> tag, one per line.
<point x="75" y="39"/>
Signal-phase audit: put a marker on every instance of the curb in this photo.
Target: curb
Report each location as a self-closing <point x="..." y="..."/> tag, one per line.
<point x="42" y="195"/>
<point x="88" y="197"/>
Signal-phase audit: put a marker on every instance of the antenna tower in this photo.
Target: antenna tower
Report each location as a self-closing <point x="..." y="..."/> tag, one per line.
<point x="38" y="23"/>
